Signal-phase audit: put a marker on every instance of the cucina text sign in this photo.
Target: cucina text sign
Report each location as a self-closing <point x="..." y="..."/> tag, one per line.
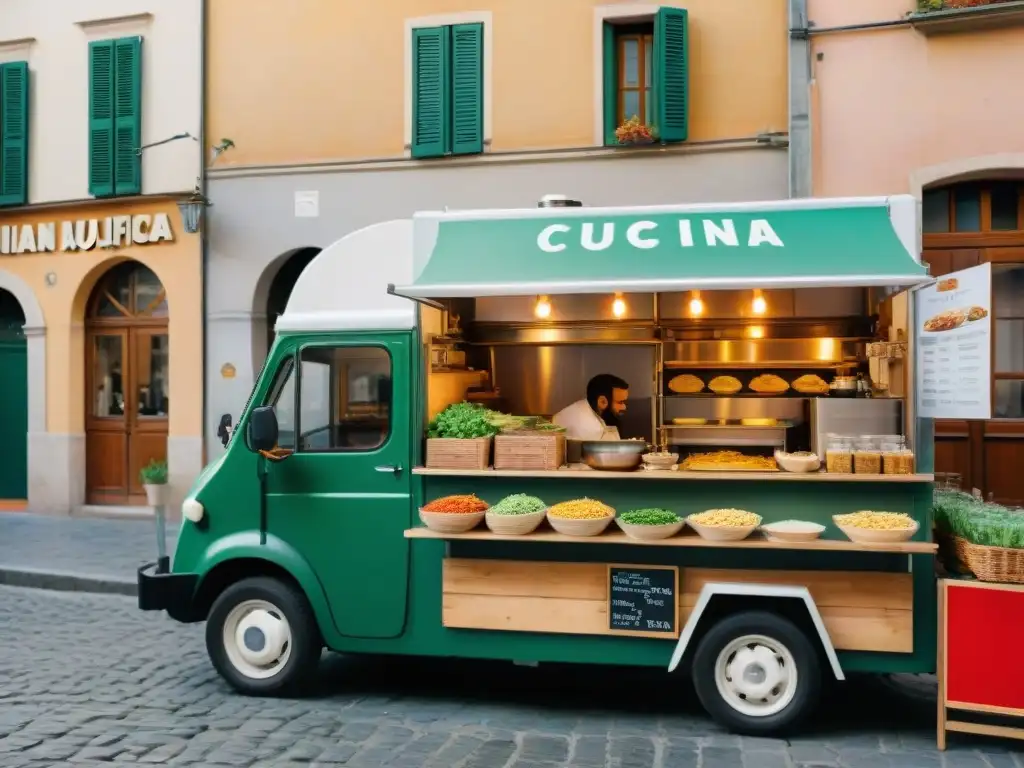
<point x="86" y="234"/>
<point x="644" y="234"/>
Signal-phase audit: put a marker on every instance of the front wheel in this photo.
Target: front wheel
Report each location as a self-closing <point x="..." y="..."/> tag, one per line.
<point x="756" y="673"/>
<point x="262" y="637"/>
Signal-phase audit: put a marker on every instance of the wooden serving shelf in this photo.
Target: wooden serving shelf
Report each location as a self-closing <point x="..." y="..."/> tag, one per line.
<point x="680" y="474"/>
<point x="684" y="539"/>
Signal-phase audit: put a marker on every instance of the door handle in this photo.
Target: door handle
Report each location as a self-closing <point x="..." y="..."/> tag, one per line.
<point x="395" y="470"/>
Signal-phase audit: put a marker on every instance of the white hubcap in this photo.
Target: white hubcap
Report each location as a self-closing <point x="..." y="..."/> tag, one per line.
<point x="257" y="639"/>
<point x="756" y="675"/>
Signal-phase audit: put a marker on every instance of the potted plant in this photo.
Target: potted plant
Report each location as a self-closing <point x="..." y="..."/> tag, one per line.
<point x="154" y="480"/>
<point x="633" y="131"/>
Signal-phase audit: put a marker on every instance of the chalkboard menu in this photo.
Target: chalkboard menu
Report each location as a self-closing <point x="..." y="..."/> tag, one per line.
<point x="643" y="600"/>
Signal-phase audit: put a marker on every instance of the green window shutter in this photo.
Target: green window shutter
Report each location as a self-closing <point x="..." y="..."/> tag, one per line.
<point x="127" y="116"/>
<point x="101" y="118"/>
<point x="14" y="133"/>
<point x="431" y="105"/>
<point x="671" y="73"/>
<point x="467" y="89"/>
<point x="610" y="73"/>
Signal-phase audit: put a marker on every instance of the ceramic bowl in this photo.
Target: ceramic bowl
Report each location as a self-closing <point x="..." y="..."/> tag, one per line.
<point x="451" y="522"/>
<point x="791" y="463"/>
<point x="515" y="525"/>
<point x="650" y="532"/>
<point x="721" y="532"/>
<point x="571" y="527"/>
<point x="874" y="536"/>
<point x="792" y="530"/>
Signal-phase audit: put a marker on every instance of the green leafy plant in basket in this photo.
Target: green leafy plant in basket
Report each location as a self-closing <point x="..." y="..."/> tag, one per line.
<point x="464" y="421"/>
<point x="986" y="524"/>
<point x="154" y="473"/>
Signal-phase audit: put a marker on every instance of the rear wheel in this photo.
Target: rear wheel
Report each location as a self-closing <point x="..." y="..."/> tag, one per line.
<point x="757" y="673"/>
<point x="262" y="637"/>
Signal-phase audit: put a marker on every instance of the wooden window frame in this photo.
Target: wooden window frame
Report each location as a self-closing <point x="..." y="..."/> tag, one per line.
<point x="986" y="237"/>
<point x="644" y="35"/>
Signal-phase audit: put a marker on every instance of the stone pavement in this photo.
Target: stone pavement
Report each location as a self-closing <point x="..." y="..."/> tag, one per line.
<point x="88" y="680"/>
<point x="77" y="554"/>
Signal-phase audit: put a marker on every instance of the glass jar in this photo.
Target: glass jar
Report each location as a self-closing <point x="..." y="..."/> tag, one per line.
<point x="839" y="454"/>
<point x="867" y="456"/>
<point x="891" y="447"/>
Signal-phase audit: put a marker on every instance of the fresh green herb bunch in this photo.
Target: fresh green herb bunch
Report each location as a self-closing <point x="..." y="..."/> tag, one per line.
<point x="649" y="517"/>
<point x="989" y="525"/>
<point x="464" y="421"/>
<point x="518" y="504"/>
<point x="154" y="473"/>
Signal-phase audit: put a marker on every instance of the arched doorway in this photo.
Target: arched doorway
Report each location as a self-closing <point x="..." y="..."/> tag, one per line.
<point x="126" y="369"/>
<point x="282" y="285"/>
<point x="13" y="400"/>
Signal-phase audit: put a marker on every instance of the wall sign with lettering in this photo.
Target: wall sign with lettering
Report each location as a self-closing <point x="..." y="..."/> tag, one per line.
<point x="643" y="600"/>
<point x="85" y="234"/>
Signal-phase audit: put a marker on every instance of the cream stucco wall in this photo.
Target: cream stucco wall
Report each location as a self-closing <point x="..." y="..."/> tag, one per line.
<point x="53" y="36"/>
<point x="321" y="80"/>
<point x="891" y="106"/>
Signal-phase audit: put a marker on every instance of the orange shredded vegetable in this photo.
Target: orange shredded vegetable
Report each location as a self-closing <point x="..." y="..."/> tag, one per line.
<point x="457" y="505"/>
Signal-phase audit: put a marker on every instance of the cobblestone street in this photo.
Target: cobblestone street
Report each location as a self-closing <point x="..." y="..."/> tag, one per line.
<point x="89" y="680"/>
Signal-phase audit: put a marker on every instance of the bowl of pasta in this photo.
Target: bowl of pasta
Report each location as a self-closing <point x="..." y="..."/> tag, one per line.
<point x="724" y="524"/>
<point x="867" y="527"/>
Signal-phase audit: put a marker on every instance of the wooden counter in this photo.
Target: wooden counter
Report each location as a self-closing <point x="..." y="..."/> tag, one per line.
<point x="580" y="473"/>
<point x="685" y="539"/>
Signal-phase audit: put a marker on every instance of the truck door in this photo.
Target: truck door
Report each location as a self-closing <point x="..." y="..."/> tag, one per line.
<point x="343" y="498"/>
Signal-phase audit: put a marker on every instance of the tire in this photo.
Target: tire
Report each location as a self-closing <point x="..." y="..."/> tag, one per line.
<point x="250" y="646"/>
<point x="776" y="646"/>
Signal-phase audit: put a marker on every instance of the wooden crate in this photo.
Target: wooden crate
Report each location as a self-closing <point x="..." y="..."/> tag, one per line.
<point x="454" y="453"/>
<point x="529" y="451"/>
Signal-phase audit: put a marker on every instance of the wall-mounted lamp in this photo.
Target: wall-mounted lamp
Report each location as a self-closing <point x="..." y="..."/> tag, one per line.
<point x="192" y="209"/>
<point x="542" y="309"/>
<point x="619" y="306"/>
<point x="696" y="304"/>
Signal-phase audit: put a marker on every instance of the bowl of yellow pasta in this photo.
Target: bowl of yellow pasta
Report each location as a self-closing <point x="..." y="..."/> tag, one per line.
<point x="724" y="524"/>
<point x="867" y="527"/>
<point x="580" y="517"/>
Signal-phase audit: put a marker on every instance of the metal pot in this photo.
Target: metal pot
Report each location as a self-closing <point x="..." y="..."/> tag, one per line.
<point x="613" y="455"/>
<point x="844" y="386"/>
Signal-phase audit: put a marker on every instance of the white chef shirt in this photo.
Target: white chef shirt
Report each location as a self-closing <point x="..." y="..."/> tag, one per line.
<point x="581" y="422"/>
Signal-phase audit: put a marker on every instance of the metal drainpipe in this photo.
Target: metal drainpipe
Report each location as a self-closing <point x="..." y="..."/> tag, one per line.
<point x="203" y="237"/>
<point x="799" y="103"/>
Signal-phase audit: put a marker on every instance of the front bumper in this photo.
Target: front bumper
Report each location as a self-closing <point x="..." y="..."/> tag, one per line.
<point x="160" y="590"/>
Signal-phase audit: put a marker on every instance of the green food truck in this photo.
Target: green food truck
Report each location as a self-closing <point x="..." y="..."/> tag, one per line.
<point x="762" y="523"/>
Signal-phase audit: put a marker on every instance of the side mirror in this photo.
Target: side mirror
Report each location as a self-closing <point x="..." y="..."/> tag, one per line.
<point x="263" y="429"/>
<point x="224" y="429"/>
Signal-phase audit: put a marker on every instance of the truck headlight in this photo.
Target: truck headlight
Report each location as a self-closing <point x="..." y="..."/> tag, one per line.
<point x="192" y="510"/>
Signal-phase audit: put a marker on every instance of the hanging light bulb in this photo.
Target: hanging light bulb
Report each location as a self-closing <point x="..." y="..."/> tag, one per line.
<point x="619" y="305"/>
<point x="759" y="305"/>
<point x="696" y="305"/>
<point x="542" y="309"/>
<point x="756" y="332"/>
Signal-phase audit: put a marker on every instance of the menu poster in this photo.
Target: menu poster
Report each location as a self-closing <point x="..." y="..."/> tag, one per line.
<point x="954" y="345"/>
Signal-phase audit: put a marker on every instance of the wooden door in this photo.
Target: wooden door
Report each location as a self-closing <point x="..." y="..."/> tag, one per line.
<point x="127" y="385"/>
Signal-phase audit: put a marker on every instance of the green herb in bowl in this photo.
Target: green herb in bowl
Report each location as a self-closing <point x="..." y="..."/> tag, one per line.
<point x="649" y="517"/>
<point x="518" y="504"/>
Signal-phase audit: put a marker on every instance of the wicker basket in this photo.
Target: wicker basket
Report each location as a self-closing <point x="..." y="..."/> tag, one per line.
<point x="454" y="453"/>
<point x="997" y="564"/>
<point x="529" y="451"/>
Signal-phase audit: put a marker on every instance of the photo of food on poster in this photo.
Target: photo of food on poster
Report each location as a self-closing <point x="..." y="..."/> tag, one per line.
<point x="954" y="345"/>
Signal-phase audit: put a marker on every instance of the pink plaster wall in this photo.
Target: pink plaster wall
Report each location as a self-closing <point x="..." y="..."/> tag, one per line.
<point x="886" y="103"/>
